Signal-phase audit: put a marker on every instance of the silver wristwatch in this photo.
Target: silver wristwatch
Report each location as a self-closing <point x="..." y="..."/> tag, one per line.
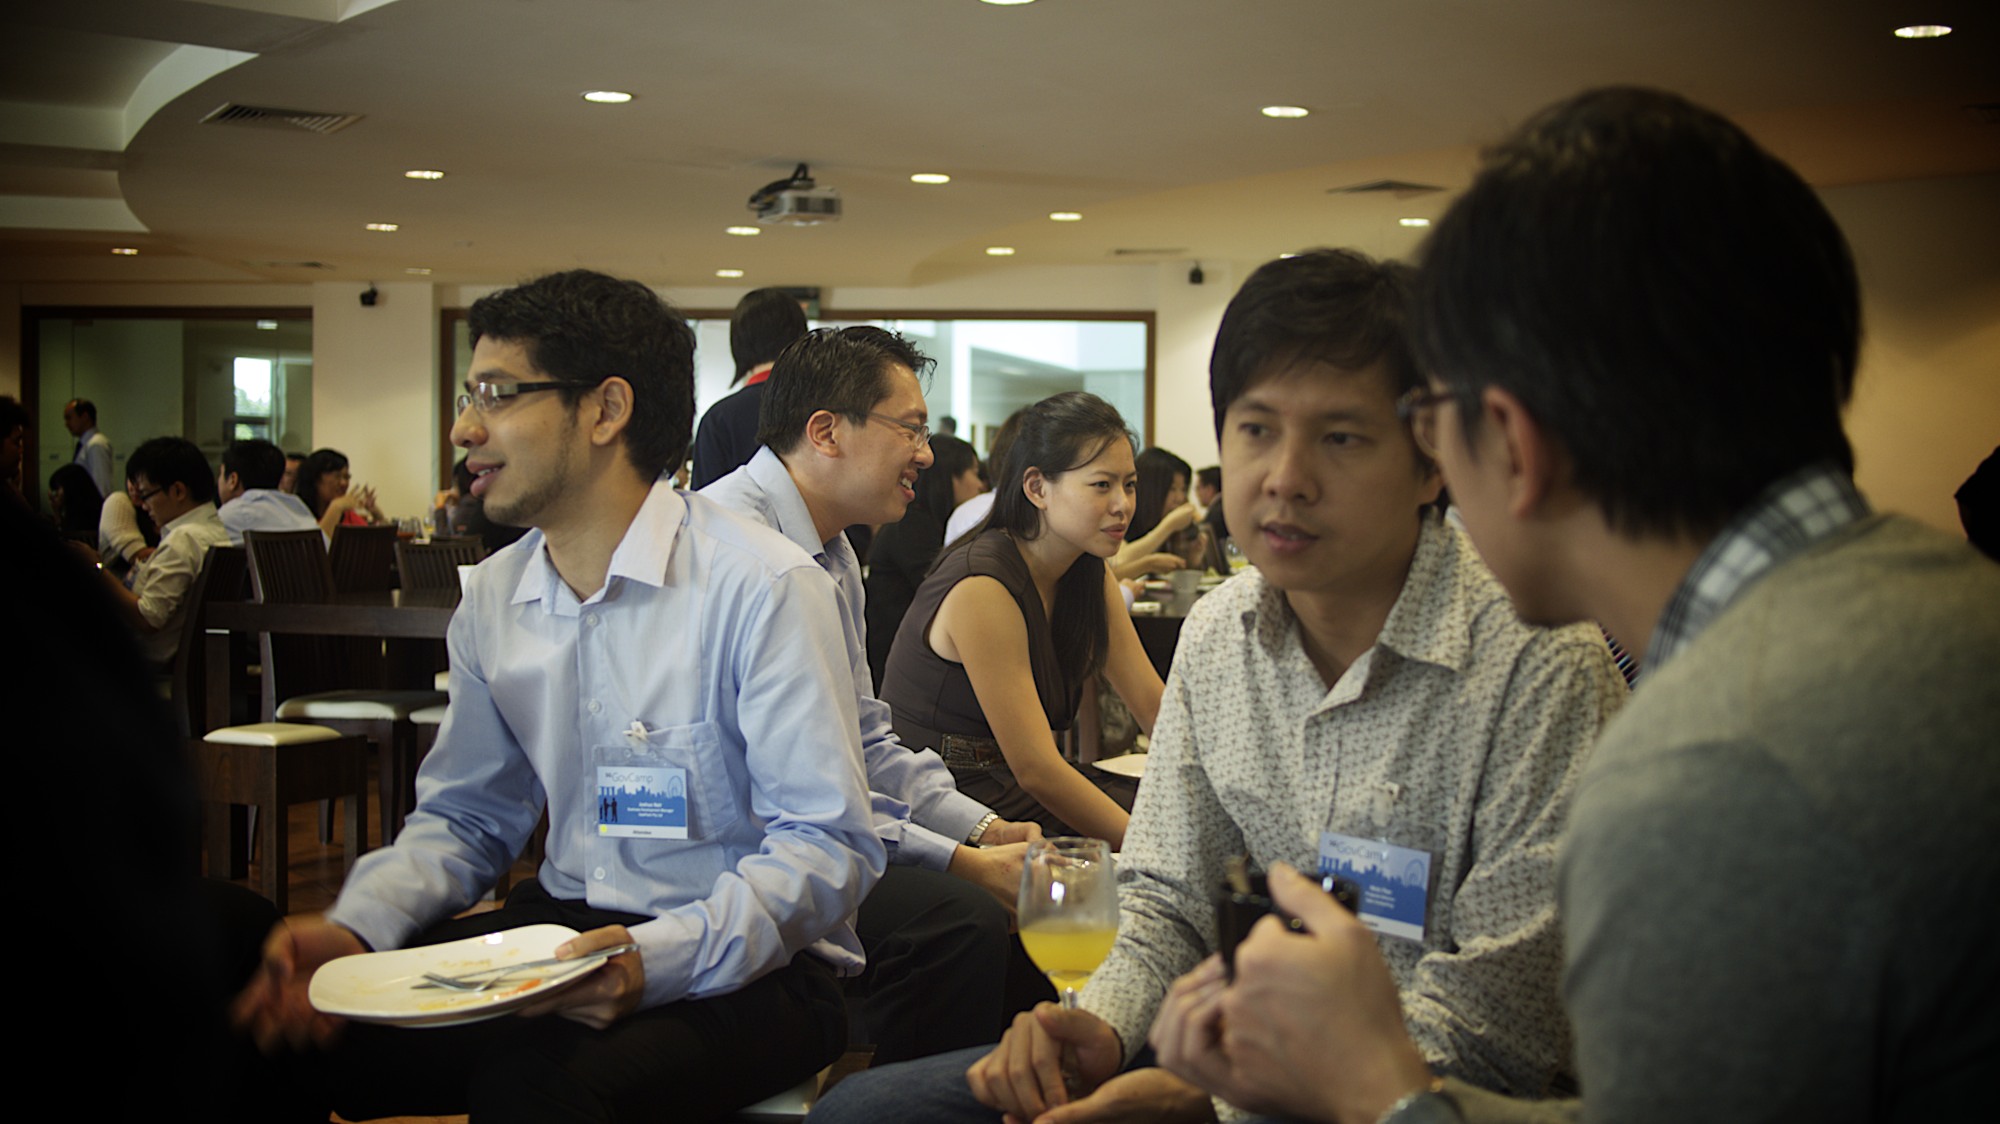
<point x="978" y="831"/>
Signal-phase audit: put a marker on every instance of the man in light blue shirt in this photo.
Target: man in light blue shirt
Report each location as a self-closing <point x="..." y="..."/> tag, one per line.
<point x="248" y="489"/>
<point x="636" y="639"/>
<point x="842" y="435"/>
<point x="93" y="449"/>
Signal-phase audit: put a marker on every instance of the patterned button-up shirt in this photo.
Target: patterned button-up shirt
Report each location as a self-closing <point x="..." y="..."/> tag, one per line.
<point x="1460" y="732"/>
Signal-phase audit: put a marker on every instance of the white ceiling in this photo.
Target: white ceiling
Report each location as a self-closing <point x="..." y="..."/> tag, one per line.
<point x="1141" y="114"/>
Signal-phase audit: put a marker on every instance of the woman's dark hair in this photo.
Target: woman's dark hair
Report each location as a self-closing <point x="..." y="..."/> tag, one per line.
<point x="950" y="457"/>
<point x="1059" y="434"/>
<point x="83" y="504"/>
<point x="1157" y="469"/>
<point x="321" y="463"/>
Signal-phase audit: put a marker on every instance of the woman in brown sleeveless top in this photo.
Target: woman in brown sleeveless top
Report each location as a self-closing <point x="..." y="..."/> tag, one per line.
<point x="1016" y="618"/>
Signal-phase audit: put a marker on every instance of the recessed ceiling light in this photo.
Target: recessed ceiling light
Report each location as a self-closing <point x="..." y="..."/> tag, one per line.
<point x="1284" y="111"/>
<point x="1413" y="222"/>
<point x="607" y="97"/>
<point x="729" y="273"/>
<point x="930" y="177"/>
<point x="1065" y="216"/>
<point x="1006" y="3"/>
<point x="125" y="251"/>
<point x="744" y="231"/>
<point x="1000" y="251"/>
<point x="417" y="270"/>
<point x="383" y="227"/>
<point x="1922" y="31"/>
<point x="1288" y="255"/>
<point x="267" y="325"/>
<point x="423" y="174"/>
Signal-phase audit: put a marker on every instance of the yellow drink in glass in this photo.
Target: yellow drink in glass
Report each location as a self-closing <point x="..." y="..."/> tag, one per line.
<point x="1068" y="953"/>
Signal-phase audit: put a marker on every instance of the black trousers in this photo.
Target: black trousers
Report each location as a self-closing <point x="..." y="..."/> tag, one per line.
<point x="944" y="968"/>
<point x="693" y="1060"/>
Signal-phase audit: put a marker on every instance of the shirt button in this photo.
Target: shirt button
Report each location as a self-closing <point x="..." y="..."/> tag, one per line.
<point x="590" y="621"/>
<point x="598" y="874"/>
<point x="596" y="707"/>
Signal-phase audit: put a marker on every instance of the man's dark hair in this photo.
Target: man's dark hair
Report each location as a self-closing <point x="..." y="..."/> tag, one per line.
<point x="85" y="407"/>
<point x="587" y="327"/>
<point x="1157" y="469"/>
<point x="256" y="462"/>
<point x="173" y="460"/>
<point x="1210" y="476"/>
<point x="844" y="370"/>
<point x="765" y="323"/>
<point x="13" y="415"/>
<point x="1669" y="301"/>
<point x="1337" y="307"/>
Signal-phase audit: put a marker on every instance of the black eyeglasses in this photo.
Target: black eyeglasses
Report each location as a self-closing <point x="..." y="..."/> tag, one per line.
<point x="487" y="394"/>
<point x="920" y="435"/>
<point x="1418" y="410"/>
<point x="139" y="497"/>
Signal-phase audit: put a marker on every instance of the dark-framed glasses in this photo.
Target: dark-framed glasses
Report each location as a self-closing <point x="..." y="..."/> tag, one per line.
<point x="920" y="435"/>
<point x="1418" y="409"/>
<point x="488" y="394"/>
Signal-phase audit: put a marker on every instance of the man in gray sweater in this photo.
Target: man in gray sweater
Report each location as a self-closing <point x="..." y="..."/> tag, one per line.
<point x="1778" y="883"/>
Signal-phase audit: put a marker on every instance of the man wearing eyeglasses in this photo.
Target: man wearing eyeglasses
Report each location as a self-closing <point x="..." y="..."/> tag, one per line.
<point x="169" y="477"/>
<point x="665" y="679"/>
<point x="843" y="433"/>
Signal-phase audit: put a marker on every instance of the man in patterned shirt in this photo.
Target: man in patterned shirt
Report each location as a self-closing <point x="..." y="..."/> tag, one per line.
<point x="1777" y="886"/>
<point x="1366" y="689"/>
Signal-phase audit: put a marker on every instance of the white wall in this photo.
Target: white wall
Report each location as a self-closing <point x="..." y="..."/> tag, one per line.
<point x="375" y="389"/>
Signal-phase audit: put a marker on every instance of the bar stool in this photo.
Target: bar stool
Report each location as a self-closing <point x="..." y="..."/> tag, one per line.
<point x="271" y="766"/>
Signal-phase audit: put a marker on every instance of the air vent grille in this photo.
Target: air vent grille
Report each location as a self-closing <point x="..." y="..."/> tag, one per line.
<point x="288" y="265"/>
<point x="1129" y="252"/>
<point x="1401" y="189"/>
<point x="266" y="117"/>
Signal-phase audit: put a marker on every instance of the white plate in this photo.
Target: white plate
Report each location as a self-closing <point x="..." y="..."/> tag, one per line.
<point x="1130" y="765"/>
<point x="380" y="987"/>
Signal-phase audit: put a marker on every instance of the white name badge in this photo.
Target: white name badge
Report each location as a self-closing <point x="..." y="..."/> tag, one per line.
<point x="1395" y="881"/>
<point x="642" y="802"/>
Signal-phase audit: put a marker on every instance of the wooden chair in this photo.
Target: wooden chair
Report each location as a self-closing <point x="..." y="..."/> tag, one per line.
<point x="310" y="678"/>
<point x="434" y="565"/>
<point x="361" y="559"/>
<point x="265" y="768"/>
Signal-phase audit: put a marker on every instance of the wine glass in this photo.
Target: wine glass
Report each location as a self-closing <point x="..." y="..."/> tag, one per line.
<point x="1068" y="909"/>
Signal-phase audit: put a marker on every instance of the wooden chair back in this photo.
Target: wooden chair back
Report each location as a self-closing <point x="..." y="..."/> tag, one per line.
<point x="289" y="568"/>
<point x="224" y="577"/>
<point x="434" y="565"/>
<point x="362" y="558"/>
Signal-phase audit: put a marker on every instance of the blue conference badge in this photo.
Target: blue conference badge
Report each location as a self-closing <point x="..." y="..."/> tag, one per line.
<point x="1395" y="881"/>
<point x="642" y="802"/>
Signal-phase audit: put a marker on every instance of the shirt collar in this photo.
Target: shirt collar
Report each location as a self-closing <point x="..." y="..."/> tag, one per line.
<point x="794" y="518"/>
<point x="200" y="512"/>
<point x="1428" y="622"/>
<point x="1788" y="517"/>
<point x="643" y="554"/>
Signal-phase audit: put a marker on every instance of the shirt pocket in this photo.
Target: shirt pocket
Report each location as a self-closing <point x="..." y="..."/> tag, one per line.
<point x="695" y="750"/>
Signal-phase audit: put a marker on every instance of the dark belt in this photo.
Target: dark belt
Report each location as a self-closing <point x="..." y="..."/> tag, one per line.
<point x="964" y="751"/>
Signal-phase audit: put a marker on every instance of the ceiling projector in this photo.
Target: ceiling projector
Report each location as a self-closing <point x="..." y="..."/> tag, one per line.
<point x="795" y="201"/>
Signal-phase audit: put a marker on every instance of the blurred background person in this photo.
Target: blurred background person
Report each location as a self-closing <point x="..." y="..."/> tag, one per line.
<point x="326" y="486"/>
<point x="76" y="503"/>
<point x="248" y="488"/>
<point x="1164" y="535"/>
<point x="765" y="322"/>
<point x="903" y="551"/>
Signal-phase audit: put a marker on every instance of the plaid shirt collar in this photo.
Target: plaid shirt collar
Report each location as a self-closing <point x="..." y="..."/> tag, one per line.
<point x="1791" y="515"/>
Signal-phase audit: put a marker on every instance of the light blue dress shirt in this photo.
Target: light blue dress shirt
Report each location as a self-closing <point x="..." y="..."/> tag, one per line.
<point x="714" y="647"/>
<point x="266" y="509"/>
<point x="919" y="812"/>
